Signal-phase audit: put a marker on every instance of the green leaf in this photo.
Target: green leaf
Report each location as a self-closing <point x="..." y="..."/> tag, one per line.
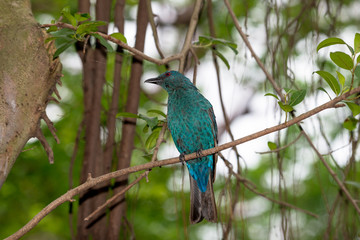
<point x="52" y="29"/>
<point x="288" y="90"/>
<point x="350" y="123"/>
<point x="297" y="97"/>
<point x="222" y="58"/>
<point x="273" y="95"/>
<point x="355" y="109"/>
<point x="66" y="13"/>
<point x="342" y="60"/>
<point x="331" y="80"/>
<point x="358" y="59"/>
<point x="355" y="184"/>
<point x="272" y="146"/>
<point x="285" y="107"/>
<point x="103" y="42"/>
<point x="63" y="47"/>
<point x="322" y="89"/>
<point x="206" y="41"/>
<point x="157" y="112"/>
<point x="357" y="72"/>
<point x="351" y="49"/>
<point x="49" y="39"/>
<point x="88" y="27"/>
<point x="119" y="36"/>
<point x="82" y="17"/>
<point x="341" y="78"/>
<point x="64" y="33"/>
<point x="357" y="43"/>
<point x="146" y="128"/>
<point x="148" y="157"/>
<point x="127" y="115"/>
<point x="151" y="121"/>
<point x="329" y="42"/>
<point x="151" y="140"/>
<point x="229" y="44"/>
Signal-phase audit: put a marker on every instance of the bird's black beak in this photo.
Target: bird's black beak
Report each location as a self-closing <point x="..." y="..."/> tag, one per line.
<point x="156" y="80"/>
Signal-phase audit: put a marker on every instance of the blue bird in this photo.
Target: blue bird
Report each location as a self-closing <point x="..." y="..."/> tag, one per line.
<point x="192" y="124"/>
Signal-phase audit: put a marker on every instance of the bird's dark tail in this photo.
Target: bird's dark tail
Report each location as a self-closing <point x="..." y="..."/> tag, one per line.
<point x="202" y="203"/>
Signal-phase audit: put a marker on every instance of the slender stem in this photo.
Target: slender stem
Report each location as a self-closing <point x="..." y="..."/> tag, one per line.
<point x="334" y="176"/>
<point x="253" y="54"/>
<point x="190" y="34"/>
<point x="153" y="27"/>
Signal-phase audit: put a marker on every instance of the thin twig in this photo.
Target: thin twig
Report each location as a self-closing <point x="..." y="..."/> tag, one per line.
<point x="115" y="197"/>
<point x="283" y="147"/>
<point x="252" y="187"/>
<point x="189" y="34"/>
<point x="51" y="127"/>
<point x="217" y="69"/>
<point x="195" y="65"/>
<point x="334" y="176"/>
<point x="286" y="204"/>
<point x="253" y="54"/>
<point x="153" y="27"/>
<point x="137" y="54"/>
<point x="145" y="174"/>
<point x="71" y="170"/>
<point x="39" y="135"/>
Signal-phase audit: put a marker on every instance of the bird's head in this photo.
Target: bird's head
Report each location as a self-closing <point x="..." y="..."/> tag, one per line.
<point x="171" y="81"/>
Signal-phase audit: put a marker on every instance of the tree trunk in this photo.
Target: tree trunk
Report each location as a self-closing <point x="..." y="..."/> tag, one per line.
<point x="94" y="70"/>
<point x="118" y="211"/>
<point x="28" y="76"/>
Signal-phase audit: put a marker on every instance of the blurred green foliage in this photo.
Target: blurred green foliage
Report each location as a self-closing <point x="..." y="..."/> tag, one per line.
<point x="155" y="211"/>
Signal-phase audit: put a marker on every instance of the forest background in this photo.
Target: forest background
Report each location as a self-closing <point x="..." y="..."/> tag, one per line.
<point x="298" y="183"/>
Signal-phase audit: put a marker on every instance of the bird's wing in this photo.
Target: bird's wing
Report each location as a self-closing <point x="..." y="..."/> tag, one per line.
<point x="211" y="114"/>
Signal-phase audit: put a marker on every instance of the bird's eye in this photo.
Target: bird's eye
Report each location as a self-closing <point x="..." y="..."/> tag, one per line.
<point x="168" y="74"/>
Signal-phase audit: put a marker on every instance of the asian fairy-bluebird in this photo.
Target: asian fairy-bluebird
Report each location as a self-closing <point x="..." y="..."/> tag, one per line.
<point x="192" y="124"/>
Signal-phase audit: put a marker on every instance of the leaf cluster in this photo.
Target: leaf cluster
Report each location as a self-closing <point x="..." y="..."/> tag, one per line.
<point x="152" y="123"/>
<point x="349" y="63"/>
<point x="212" y="43"/>
<point x="83" y="27"/>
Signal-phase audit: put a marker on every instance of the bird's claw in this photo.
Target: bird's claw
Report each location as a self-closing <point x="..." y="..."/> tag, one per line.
<point x="199" y="153"/>
<point x="182" y="158"/>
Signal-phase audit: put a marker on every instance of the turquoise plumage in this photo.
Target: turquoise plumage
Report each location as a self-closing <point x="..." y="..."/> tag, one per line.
<point x="192" y="124"/>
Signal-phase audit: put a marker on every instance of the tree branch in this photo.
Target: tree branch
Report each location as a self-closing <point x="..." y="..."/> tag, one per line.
<point x="91" y="182"/>
<point x="137" y="53"/>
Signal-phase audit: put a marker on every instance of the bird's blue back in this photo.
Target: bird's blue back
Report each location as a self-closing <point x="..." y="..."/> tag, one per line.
<point x="192" y="124"/>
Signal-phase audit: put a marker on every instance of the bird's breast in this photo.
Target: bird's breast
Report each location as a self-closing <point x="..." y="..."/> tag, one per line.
<point x="189" y="124"/>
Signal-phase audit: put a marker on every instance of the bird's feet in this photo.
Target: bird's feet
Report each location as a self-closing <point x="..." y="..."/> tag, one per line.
<point x="182" y="158"/>
<point x="199" y="153"/>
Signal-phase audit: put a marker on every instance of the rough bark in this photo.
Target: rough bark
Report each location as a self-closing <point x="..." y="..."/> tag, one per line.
<point x="94" y="70"/>
<point x="118" y="211"/>
<point x="114" y="105"/>
<point x="28" y="76"/>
